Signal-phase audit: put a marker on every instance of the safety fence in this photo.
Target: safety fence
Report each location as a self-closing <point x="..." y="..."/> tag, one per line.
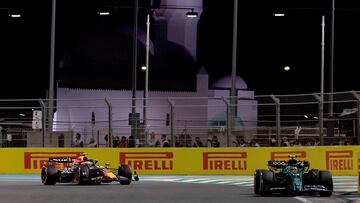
<point x="263" y="120"/>
<point x="340" y="160"/>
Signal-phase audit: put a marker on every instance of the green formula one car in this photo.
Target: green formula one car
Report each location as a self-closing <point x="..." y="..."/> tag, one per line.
<point x="292" y="177"/>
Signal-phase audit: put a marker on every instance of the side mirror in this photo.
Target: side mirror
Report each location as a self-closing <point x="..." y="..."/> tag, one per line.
<point x="107" y="165"/>
<point x="95" y="161"/>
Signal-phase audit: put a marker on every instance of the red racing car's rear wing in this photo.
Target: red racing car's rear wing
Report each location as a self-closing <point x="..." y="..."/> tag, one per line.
<point x="62" y="159"/>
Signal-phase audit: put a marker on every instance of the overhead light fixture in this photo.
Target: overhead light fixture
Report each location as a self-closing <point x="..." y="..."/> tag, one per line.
<point x="23" y="115"/>
<point x="279" y="14"/>
<point x="104" y="13"/>
<point x="143" y="68"/>
<point x="287" y="68"/>
<point x="15" y="15"/>
<point x="192" y="14"/>
<point x="306" y="116"/>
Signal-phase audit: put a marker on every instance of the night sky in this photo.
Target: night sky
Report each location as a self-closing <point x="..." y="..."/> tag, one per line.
<point x="265" y="45"/>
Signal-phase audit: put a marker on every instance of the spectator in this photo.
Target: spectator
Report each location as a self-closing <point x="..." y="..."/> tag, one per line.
<point x="273" y="142"/>
<point x="239" y="142"/>
<point x="78" y="142"/>
<point x="198" y="142"/>
<point x="131" y="141"/>
<point x="9" y="140"/>
<point x="243" y="143"/>
<point x="92" y="143"/>
<point x="253" y="143"/>
<point x="297" y="143"/>
<point x="214" y="142"/>
<point x="106" y="138"/>
<point x="177" y="142"/>
<point x="285" y="142"/>
<point x="164" y="141"/>
<point x="188" y="140"/>
<point x="151" y="142"/>
<point x="308" y="143"/>
<point x="116" y="140"/>
<point x="123" y="143"/>
<point x="182" y="140"/>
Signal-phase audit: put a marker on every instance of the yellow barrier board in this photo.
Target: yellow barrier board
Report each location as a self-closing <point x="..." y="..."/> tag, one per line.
<point x="340" y="160"/>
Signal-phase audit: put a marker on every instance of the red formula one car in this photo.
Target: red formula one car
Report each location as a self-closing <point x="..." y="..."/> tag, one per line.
<point x="81" y="170"/>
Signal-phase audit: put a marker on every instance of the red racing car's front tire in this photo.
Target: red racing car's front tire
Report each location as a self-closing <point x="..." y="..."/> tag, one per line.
<point x="124" y="174"/>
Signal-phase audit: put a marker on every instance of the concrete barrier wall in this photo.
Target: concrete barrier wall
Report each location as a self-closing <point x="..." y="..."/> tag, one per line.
<point x="340" y="160"/>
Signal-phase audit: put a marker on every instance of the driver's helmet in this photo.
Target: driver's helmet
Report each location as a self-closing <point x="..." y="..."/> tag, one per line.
<point x="80" y="159"/>
<point x="292" y="162"/>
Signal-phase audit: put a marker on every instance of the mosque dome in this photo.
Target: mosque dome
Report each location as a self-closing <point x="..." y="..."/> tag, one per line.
<point x="225" y="83"/>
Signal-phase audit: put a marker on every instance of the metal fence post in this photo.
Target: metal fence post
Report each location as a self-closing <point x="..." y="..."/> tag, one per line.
<point x="228" y="126"/>
<point x="357" y="115"/>
<point x="43" y="121"/>
<point x="172" y="106"/>
<point x="110" y="121"/>
<point x="278" y="125"/>
<point x="321" y="118"/>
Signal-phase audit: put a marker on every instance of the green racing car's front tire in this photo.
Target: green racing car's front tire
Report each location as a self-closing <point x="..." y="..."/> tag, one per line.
<point x="263" y="179"/>
<point x="266" y="181"/>
<point x="258" y="180"/>
<point x="257" y="177"/>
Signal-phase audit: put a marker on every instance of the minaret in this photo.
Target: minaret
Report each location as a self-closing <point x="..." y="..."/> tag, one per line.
<point x="202" y="82"/>
<point x="179" y="28"/>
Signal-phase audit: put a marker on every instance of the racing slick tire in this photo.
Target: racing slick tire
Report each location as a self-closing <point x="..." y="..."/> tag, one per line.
<point x="325" y="179"/>
<point x="48" y="175"/>
<point x="82" y="175"/>
<point x="257" y="178"/>
<point x="311" y="177"/>
<point x="266" y="180"/>
<point x="125" y="174"/>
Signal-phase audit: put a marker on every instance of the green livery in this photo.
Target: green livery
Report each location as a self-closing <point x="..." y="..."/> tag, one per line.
<point x="292" y="177"/>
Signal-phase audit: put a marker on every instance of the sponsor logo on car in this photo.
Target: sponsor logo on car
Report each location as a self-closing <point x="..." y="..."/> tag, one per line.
<point x="224" y="161"/>
<point x="285" y="155"/>
<point x="36" y="160"/>
<point x="339" y="160"/>
<point x="148" y="160"/>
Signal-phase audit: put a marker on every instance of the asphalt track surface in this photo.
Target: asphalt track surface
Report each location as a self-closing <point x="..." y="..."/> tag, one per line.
<point x="32" y="191"/>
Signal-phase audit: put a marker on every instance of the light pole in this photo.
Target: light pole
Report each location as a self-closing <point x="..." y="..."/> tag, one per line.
<point x="330" y="126"/>
<point x="233" y="70"/>
<point x="146" y="69"/>
<point x="321" y="110"/>
<point x="52" y="67"/>
<point x="134" y="73"/>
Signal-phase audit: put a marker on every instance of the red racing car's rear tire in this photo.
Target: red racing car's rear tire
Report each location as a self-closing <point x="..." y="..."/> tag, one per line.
<point x="47" y="178"/>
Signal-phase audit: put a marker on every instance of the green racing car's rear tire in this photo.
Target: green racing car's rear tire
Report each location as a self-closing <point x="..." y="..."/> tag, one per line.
<point x="125" y="174"/>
